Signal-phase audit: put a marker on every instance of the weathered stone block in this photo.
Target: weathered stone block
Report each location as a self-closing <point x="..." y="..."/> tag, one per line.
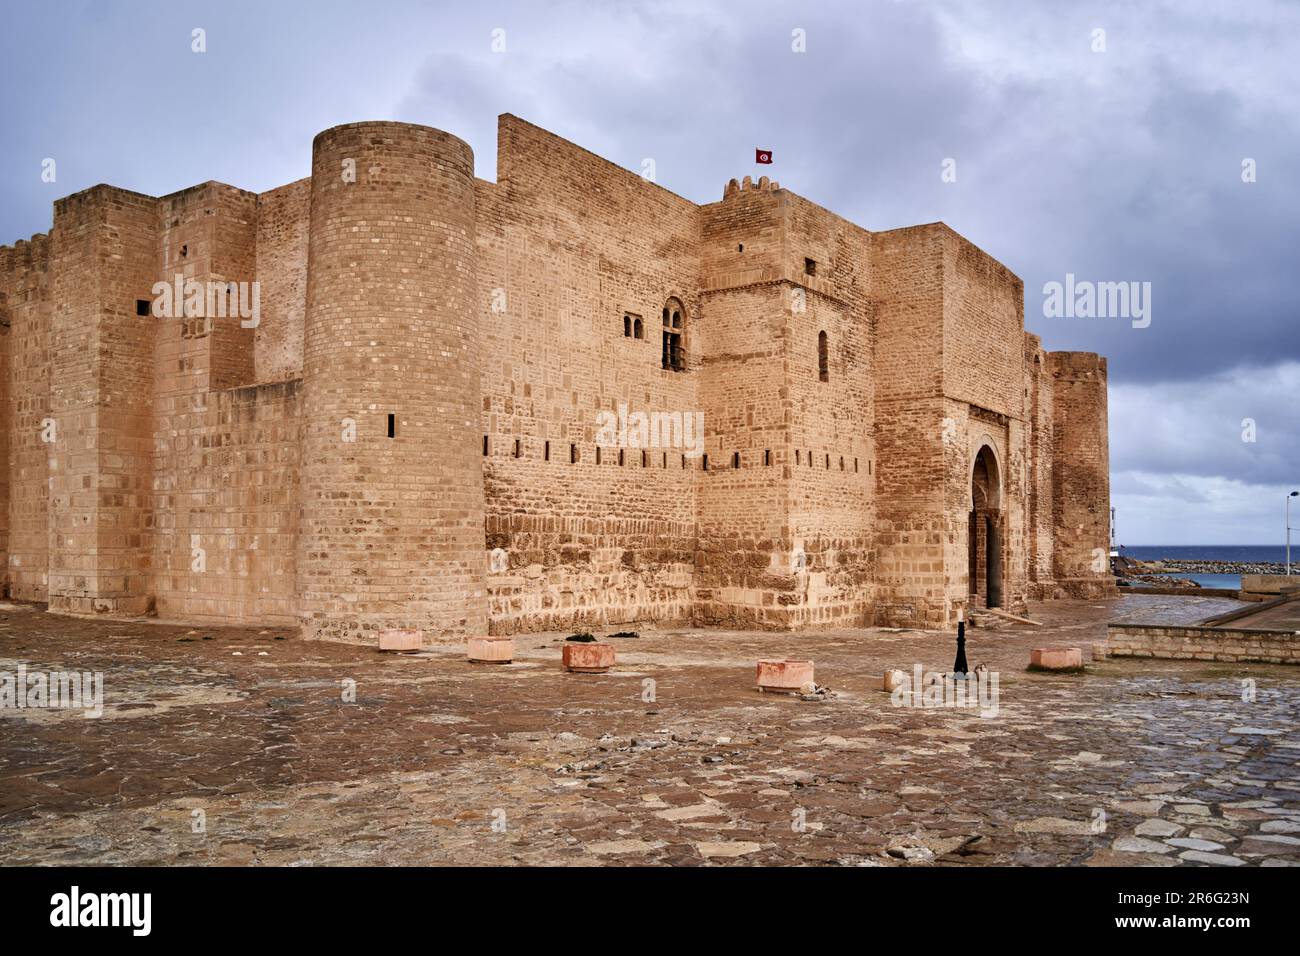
<point x="1056" y="658"/>
<point x="491" y="650"/>
<point x="400" y="639"/>
<point x="588" y="658"/>
<point x="784" y="675"/>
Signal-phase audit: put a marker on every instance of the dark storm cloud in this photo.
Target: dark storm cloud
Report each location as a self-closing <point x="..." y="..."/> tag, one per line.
<point x="1114" y="166"/>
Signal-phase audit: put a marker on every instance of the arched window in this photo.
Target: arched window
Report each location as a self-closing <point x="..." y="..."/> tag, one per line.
<point x="638" y="330"/>
<point x="674" y="351"/>
<point x="627" y="326"/>
<point x="823" y="362"/>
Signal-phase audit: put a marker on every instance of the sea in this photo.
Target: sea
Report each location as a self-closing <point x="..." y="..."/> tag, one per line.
<point x="1213" y="552"/>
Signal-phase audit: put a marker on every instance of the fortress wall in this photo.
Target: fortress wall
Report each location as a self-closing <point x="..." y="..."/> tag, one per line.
<point x="911" y="467"/>
<point x="228" y="465"/>
<point x="983" y="380"/>
<point x="983" y="329"/>
<point x="28" y="292"/>
<point x="1080" y="475"/>
<point x="283" y="217"/>
<point x="568" y="244"/>
<point x="225" y="460"/>
<point x="1038" y="415"/>
<point x="832" y="501"/>
<point x="187" y="246"/>
<point x="832" y="497"/>
<point x="6" y="327"/>
<point x="100" y="400"/>
<point x="768" y="557"/>
<point x="234" y="260"/>
<point x="392" y="523"/>
<point x="743" y="572"/>
<point x="744" y="576"/>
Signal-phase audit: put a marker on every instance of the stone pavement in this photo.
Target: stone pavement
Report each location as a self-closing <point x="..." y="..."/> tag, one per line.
<point x="245" y="746"/>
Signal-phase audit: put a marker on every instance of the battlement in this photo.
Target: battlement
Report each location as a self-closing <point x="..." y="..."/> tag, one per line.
<point x="28" y="253"/>
<point x="748" y="185"/>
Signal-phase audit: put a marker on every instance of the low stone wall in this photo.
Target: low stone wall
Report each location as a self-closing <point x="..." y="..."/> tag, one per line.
<point x="1182" y="592"/>
<point x="1182" y="642"/>
<point x="1269" y="583"/>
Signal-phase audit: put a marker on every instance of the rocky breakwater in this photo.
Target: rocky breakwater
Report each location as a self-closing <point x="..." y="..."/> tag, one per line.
<point x="1131" y="571"/>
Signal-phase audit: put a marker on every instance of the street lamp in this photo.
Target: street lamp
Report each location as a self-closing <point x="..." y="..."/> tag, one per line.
<point x="1288" y="531"/>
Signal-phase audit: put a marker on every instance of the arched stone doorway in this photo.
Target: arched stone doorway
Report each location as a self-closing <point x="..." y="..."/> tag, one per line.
<point x="985" y="535"/>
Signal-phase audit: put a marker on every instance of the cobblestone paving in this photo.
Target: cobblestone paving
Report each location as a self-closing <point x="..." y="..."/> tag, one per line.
<point x="1155" y="763"/>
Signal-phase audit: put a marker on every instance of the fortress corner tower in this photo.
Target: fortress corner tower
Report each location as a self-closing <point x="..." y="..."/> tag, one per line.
<point x="392" y="480"/>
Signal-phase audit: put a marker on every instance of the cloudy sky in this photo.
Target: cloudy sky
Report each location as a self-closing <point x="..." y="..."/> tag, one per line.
<point x="1122" y="164"/>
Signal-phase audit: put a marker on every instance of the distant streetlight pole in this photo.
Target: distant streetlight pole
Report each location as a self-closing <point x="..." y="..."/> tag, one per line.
<point x="1288" y="530"/>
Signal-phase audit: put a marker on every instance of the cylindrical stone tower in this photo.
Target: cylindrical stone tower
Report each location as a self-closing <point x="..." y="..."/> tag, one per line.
<point x="392" y="474"/>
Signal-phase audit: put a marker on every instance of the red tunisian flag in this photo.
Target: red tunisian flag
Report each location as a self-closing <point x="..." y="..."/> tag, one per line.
<point x="763" y="156"/>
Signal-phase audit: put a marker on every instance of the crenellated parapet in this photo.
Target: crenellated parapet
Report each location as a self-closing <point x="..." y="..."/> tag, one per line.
<point x="748" y="185"/>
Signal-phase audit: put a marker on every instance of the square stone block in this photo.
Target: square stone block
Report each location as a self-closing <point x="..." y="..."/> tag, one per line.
<point x="400" y="639"/>
<point x="784" y="675"/>
<point x="491" y="650"/>
<point x="1056" y="658"/>
<point x="588" y="658"/>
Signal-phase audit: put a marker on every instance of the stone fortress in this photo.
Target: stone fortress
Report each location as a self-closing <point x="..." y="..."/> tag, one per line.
<point x="409" y="432"/>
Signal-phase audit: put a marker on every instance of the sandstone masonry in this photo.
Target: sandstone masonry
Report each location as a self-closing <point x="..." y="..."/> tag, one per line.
<point x="414" y="431"/>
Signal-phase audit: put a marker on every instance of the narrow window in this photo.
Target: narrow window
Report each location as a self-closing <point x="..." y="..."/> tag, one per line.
<point x="706" y="462"/>
<point x="767" y="457"/>
<point x="735" y="459"/>
<point x="485" y="445"/>
<point x="740" y="247"/>
<point x="620" y="458"/>
<point x="665" y="459"/>
<point x="185" y="251"/>
<point x="598" y="454"/>
<point x="638" y="328"/>
<point x="810" y="266"/>
<point x="519" y="448"/>
<point x="546" y="451"/>
<point x="828" y="462"/>
<point x="573" y="454"/>
<point x="855" y="466"/>
<point x="627" y="326"/>
<point x="645" y="459"/>
<point x="683" y="461"/>
<point x="841" y="463"/>
<point x="392" y="425"/>
<point x="823" y="364"/>
<point x="796" y="457"/>
<point x="142" y="307"/>
<point x="674" y="351"/>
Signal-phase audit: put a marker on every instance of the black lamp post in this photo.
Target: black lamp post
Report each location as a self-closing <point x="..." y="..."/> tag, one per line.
<point x="959" y="667"/>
